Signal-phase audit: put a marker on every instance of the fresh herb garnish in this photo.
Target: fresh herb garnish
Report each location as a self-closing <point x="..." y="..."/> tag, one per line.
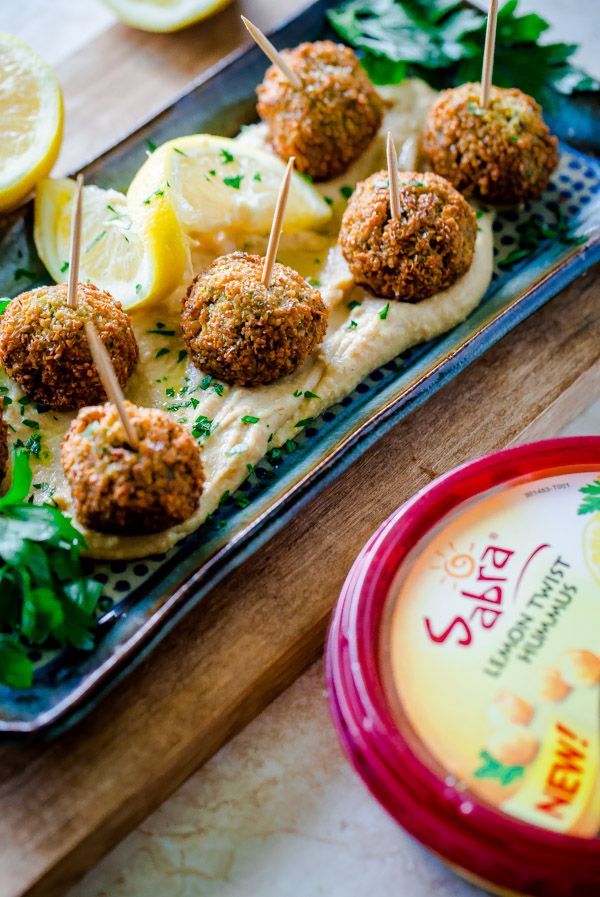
<point x="64" y="267"/>
<point x="534" y="231"/>
<point x="310" y="395"/>
<point x="44" y="596"/>
<point x="352" y="325"/>
<point x="304" y="422"/>
<point x="227" y="157"/>
<point x="353" y="304"/>
<point x="249" y="419"/>
<point x="3" y="305"/>
<point x="234" y="182"/>
<point x="346" y="191"/>
<point x="162" y="332"/>
<point x="203" y="427"/>
<point x="442" y="42"/>
<point x="181" y="355"/>
<point x="161" y="352"/>
<point x="384" y="312"/>
<point x="151" y="145"/>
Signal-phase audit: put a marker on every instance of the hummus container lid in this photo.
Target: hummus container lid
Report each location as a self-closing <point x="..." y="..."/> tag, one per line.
<point x="463" y="668"/>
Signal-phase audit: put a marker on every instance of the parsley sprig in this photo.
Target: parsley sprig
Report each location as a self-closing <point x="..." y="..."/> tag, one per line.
<point x="45" y="600"/>
<point x="442" y="42"/>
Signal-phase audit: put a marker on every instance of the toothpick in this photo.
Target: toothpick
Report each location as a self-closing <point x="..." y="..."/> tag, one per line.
<point x="269" y="50"/>
<point x="275" y="235"/>
<point x="75" y="243"/>
<point x="392" y="164"/>
<point x="110" y="382"/>
<point x="488" y="54"/>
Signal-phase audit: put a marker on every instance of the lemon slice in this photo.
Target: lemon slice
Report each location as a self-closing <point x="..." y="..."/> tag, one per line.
<point x="31" y="113"/>
<point x="139" y="256"/>
<point x="163" y="15"/>
<point x="215" y="184"/>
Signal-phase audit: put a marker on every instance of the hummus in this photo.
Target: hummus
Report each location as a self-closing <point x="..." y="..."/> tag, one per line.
<point x="358" y="340"/>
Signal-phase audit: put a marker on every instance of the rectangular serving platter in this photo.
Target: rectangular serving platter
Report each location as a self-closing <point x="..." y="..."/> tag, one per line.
<point x="143" y="600"/>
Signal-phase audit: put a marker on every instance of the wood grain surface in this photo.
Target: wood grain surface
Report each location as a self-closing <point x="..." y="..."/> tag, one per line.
<point x="64" y="804"/>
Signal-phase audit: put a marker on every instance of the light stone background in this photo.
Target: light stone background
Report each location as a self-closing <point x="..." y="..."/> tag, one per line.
<point x="277" y="812"/>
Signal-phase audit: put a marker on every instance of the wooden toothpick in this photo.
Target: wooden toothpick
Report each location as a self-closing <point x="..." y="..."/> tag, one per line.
<point x="75" y="243"/>
<point x="488" y="54"/>
<point x="269" y="50"/>
<point x="275" y="235"/>
<point x="111" y="385"/>
<point x="392" y="164"/>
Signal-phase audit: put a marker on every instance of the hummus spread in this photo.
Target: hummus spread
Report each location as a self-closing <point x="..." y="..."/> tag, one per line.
<point x="359" y="339"/>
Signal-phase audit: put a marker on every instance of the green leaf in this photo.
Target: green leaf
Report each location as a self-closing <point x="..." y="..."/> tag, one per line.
<point x="21" y="479"/>
<point x="42" y="614"/>
<point x="440" y="41"/>
<point x="16" y="669"/>
<point x="591" y="501"/>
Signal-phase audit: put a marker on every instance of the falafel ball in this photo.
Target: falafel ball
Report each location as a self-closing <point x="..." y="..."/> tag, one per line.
<point x="327" y="124"/>
<point x="503" y="154"/>
<point x="423" y="251"/>
<point x="243" y="332"/>
<point x="44" y="347"/>
<point x="117" y="489"/>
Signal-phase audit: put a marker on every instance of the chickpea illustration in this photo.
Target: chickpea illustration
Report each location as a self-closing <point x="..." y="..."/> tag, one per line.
<point x="580" y="667"/>
<point x="513" y="746"/>
<point x="507" y="708"/>
<point x="553" y="687"/>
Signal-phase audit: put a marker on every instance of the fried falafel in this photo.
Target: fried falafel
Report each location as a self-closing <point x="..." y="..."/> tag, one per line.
<point x="503" y="154"/>
<point x="243" y="332"/>
<point x="327" y="124"/>
<point x="43" y="344"/>
<point x="412" y="257"/>
<point x="118" y="489"/>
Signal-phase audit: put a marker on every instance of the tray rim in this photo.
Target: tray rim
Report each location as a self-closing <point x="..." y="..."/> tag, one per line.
<point x="358" y="439"/>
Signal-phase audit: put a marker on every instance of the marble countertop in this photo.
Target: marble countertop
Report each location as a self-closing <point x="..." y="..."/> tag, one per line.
<point x="278" y="812"/>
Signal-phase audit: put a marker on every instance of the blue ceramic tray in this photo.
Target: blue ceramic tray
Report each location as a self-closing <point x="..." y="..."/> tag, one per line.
<point x="144" y="600"/>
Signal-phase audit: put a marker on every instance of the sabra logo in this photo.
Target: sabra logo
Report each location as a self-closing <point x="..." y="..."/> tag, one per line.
<point x="482" y="597"/>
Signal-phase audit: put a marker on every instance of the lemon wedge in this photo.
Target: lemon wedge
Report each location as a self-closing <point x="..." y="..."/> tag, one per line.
<point x="31" y="112"/>
<point x="215" y="184"/>
<point x="163" y="15"/>
<point x="137" y="255"/>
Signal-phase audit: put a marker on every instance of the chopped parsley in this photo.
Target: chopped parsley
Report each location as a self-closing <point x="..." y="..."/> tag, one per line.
<point x="181" y="355"/>
<point x="328" y="200"/>
<point x="384" y="312"/>
<point x="352" y="325"/>
<point x="310" y="395"/>
<point x="151" y="145"/>
<point x="304" y="422"/>
<point x="346" y="191"/>
<point x="313" y="281"/>
<point x="32" y="424"/>
<point x="249" y="419"/>
<point x="227" y="157"/>
<point x="162" y="332"/>
<point x="297" y="393"/>
<point x="203" y="427"/>
<point x="64" y="267"/>
<point x="234" y="182"/>
<point x="353" y="304"/>
<point x="257" y="177"/>
<point x="161" y="352"/>
<point x="178" y="151"/>
<point x="535" y="230"/>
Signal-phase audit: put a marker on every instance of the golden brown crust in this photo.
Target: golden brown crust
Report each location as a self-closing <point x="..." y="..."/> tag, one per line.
<point x="242" y="332"/>
<point x="44" y="347"/>
<point x="422" y="252"/>
<point x="116" y="489"/>
<point x="503" y="154"/>
<point x="329" y="123"/>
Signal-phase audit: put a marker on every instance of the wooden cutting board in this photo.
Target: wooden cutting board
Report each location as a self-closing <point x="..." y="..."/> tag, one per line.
<point x="64" y="804"/>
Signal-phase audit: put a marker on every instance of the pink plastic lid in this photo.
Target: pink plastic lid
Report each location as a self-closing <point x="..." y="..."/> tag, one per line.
<point x="463" y="668"/>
